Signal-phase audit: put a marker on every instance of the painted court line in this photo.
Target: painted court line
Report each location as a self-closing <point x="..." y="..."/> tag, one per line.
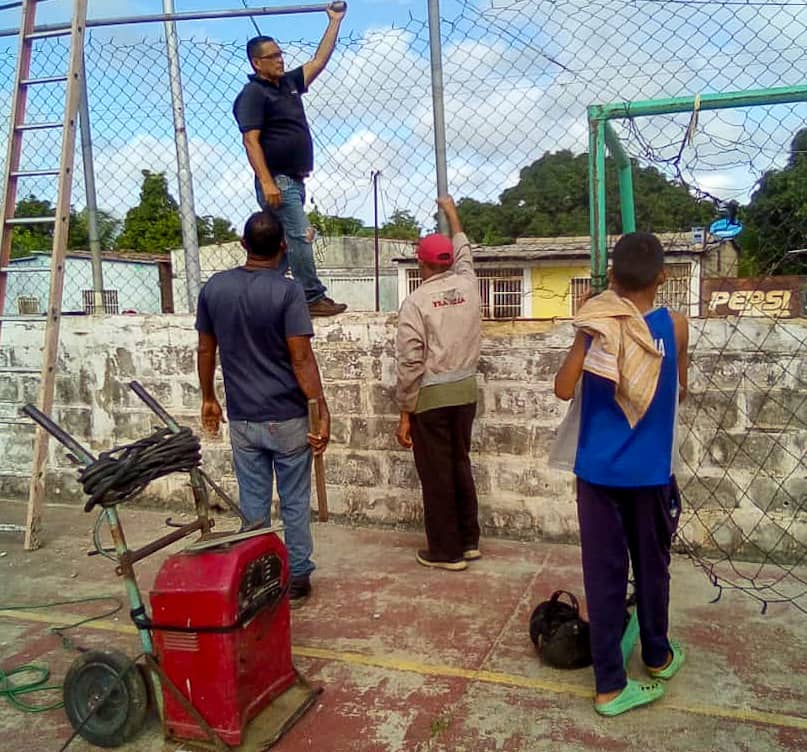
<point x="742" y="715"/>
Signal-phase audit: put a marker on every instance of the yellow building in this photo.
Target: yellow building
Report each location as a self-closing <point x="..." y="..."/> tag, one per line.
<point x="546" y="278"/>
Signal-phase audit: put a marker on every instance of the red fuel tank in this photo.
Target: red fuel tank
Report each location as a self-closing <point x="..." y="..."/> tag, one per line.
<point x="221" y="631"/>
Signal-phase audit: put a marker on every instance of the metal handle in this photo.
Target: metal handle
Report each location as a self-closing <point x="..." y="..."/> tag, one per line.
<point x="64" y="438"/>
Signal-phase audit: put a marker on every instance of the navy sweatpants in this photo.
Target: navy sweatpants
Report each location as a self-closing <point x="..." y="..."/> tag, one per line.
<point x="616" y="523"/>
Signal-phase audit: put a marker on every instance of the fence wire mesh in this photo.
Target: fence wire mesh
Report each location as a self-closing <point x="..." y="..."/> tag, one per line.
<point x="518" y="76"/>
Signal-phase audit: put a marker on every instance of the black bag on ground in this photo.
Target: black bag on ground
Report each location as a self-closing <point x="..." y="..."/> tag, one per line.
<point x="560" y="636"/>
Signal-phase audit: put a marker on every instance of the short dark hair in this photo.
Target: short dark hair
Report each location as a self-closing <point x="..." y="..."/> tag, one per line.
<point x="638" y="259"/>
<point x="263" y="234"/>
<point x="254" y="44"/>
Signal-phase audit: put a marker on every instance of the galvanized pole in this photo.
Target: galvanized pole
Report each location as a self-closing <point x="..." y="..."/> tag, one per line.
<point x="376" y="173"/>
<point x="596" y="180"/>
<point x="89" y="189"/>
<point x="436" y="50"/>
<point x="187" y="210"/>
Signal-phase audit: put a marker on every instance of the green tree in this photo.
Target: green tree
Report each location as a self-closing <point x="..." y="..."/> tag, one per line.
<point x="327" y="224"/>
<point x="401" y="225"/>
<point x="26" y="239"/>
<point x="154" y="225"/>
<point x="551" y="199"/>
<point x="217" y="230"/>
<point x="79" y="232"/>
<point x="776" y="217"/>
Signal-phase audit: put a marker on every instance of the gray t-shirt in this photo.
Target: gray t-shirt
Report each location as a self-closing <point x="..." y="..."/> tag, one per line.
<point x="251" y="313"/>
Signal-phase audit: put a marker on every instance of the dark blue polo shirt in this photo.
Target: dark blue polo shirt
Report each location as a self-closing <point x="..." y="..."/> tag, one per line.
<point x="276" y="110"/>
<point x="251" y="313"/>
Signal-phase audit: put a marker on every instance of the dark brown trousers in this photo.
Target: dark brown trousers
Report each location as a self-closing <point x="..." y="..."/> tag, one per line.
<point x="441" y="441"/>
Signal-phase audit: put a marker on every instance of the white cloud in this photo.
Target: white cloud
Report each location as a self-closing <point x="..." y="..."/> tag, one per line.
<point x="518" y="78"/>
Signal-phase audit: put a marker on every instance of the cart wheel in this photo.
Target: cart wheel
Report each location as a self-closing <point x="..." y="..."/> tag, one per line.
<point x="112" y="679"/>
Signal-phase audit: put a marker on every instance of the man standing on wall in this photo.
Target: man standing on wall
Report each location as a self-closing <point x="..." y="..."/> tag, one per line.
<point x="259" y="321"/>
<point x="438" y="352"/>
<point x="269" y="111"/>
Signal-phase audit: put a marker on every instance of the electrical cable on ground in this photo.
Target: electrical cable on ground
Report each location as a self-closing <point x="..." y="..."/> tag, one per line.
<point x="14" y="689"/>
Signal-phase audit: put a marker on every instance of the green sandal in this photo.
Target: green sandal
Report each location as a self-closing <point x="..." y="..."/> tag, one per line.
<point x="671" y="669"/>
<point x="633" y="696"/>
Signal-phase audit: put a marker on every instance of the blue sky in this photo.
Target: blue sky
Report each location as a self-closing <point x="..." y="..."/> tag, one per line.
<point x="362" y="15"/>
<point x="519" y="75"/>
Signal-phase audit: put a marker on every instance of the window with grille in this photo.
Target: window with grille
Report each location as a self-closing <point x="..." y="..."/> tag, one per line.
<point x="674" y="293"/>
<point x="109" y="297"/>
<point x="27" y="305"/>
<point x="579" y="287"/>
<point x="500" y="290"/>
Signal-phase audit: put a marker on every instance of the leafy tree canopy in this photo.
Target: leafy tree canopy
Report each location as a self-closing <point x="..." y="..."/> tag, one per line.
<point x="401" y="225"/>
<point x="154" y="226"/>
<point x="776" y="217"/>
<point x="551" y="198"/>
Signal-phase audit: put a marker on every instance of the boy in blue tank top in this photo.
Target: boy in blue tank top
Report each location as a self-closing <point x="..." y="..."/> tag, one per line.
<point x="632" y="358"/>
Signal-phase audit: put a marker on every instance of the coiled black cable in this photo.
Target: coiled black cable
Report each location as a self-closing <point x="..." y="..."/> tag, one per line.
<point x="121" y="473"/>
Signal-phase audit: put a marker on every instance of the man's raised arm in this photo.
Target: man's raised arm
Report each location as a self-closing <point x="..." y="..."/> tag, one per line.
<point x="315" y="66"/>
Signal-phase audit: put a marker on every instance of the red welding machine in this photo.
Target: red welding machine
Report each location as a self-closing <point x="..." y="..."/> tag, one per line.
<point x="221" y="629"/>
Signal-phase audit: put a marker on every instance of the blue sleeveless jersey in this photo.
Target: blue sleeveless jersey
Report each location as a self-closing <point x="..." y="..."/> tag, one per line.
<point x="609" y="451"/>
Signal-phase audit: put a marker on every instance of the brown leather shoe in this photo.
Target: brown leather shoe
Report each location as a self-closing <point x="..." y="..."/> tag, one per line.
<point x="326" y="307"/>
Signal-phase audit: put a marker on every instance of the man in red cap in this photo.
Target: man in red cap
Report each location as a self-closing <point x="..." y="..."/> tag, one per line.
<point x="437" y="355"/>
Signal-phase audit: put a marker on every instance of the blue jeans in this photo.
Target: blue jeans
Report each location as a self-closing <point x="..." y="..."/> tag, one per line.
<point x="261" y="449"/>
<point x="300" y="252"/>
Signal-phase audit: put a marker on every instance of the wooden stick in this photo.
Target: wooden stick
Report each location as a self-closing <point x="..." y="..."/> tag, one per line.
<point x="319" y="464"/>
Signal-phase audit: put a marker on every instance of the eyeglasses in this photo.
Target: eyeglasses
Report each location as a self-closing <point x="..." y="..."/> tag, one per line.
<point x="272" y="56"/>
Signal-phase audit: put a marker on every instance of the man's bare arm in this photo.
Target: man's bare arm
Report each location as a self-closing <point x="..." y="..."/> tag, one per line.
<point x="681" y="325"/>
<point x="257" y="160"/>
<point x="569" y="373"/>
<point x="304" y="365"/>
<point x="317" y="64"/>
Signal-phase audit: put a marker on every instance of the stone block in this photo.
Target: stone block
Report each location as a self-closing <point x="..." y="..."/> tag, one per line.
<point x="701" y="492"/>
<point x="177" y="360"/>
<point x="130" y="426"/>
<point x="344" y="398"/>
<point x="191" y="395"/>
<point x="711" y="410"/>
<point x="382" y="400"/>
<point x="340" y="430"/>
<point x="29" y="389"/>
<point x="361" y="469"/>
<point x="342" y="365"/>
<point x="499" y="439"/>
<point x="75" y="389"/>
<point x="9" y="388"/>
<point x="373" y="433"/>
<point x="399" y="509"/>
<point x="524" y="403"/>
<point x="402" y="471"/>
<point x="347" y="501"/>
<point x="787" y="495"/>
<point x="530" y="482"/>
<point x="779" y="408"/>
<point x="481" y="471"/>
<point x="77" y="421"/>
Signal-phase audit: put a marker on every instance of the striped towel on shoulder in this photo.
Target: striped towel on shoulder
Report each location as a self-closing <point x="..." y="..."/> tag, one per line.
<point x="622" y="350"/>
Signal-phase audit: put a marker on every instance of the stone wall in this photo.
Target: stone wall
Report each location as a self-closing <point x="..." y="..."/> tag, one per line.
<point x="743" y="427"/>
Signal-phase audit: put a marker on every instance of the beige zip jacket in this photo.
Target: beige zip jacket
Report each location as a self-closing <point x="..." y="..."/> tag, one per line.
<point x="439" y="329"/>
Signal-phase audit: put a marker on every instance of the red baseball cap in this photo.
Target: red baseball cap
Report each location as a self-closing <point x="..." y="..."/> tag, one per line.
<point x="436" y="249"/>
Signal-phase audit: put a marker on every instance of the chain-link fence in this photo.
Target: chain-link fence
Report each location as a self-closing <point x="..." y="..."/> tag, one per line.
<point x="518" y="77"/>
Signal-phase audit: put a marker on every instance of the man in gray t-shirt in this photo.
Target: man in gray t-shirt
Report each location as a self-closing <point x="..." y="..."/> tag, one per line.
<point x="259" y="321"/>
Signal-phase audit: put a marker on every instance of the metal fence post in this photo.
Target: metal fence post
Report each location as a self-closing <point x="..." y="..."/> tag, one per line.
<point x="436" y="52"/>
<point x="89" y="189"/>
<point x="187" y="210"/>
<point x="596" y="178"/>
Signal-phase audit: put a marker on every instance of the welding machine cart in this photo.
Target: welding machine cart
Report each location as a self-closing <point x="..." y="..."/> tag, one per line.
<point x="217" y="647"/>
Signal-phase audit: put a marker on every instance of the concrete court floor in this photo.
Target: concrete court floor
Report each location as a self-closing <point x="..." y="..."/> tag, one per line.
<point x="421" y="660"/>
